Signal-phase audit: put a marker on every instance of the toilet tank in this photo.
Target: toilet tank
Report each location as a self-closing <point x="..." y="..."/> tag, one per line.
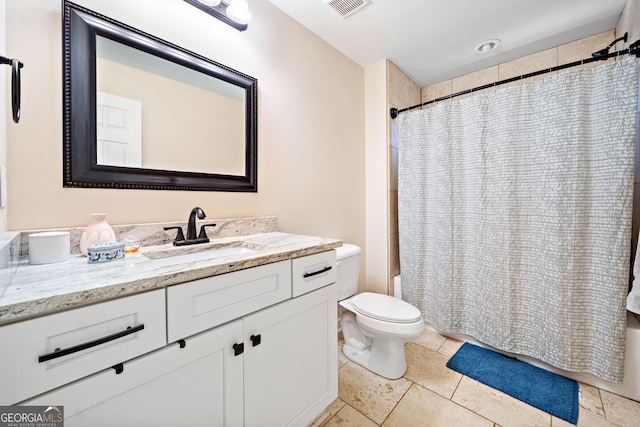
<point x="348" y="257"/>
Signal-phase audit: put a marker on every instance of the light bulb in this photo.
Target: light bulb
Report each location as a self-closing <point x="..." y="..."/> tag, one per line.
<point x="211" y="3"/>
<point x="238" y="11"/>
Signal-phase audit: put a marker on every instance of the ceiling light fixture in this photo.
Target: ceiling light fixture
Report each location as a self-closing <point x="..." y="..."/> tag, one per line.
<point x="238" y="11"/>
<point x="488" y="45"/>
<point x="210" y="3"/>
<point x="232" y="12"/>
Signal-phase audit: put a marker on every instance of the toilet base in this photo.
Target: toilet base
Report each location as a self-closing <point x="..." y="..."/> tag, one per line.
<point x="383" y="363"/>
<point x="360" y="356"/>
<point x="380" y="354"/>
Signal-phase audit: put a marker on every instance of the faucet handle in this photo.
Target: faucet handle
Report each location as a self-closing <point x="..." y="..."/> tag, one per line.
<point x="179" y="235"/>
<point x="203" y="232"/>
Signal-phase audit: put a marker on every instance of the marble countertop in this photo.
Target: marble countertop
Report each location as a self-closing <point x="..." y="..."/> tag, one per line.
<point x="36" y="290"/>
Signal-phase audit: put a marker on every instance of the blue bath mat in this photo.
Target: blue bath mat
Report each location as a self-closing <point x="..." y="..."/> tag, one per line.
<point x="551" y="393"/>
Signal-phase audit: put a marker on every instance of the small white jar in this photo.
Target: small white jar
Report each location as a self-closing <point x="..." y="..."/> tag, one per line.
<point x="49" y="247"/>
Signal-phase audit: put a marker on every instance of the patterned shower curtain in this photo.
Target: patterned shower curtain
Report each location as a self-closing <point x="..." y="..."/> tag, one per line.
<point x="515" y="216"/>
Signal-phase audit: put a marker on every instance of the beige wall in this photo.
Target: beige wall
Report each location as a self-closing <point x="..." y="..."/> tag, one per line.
<point x="376" y="176"/>
<point x="4" y="105"/>
<point x="630" y="21"/>
<point x="311" y="123"/>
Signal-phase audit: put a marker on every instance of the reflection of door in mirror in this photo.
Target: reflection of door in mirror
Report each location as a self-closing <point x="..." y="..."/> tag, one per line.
<point x="119" y="131"/>
<point x="191" y="122"/>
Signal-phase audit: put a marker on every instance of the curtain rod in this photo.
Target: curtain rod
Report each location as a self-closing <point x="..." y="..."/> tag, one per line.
<point x="634" y="49"/>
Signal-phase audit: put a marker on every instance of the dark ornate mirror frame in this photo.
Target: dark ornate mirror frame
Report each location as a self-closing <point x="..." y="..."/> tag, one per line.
<point x="80" y="28"/>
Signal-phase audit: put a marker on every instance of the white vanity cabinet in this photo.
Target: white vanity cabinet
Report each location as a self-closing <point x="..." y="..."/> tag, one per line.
<point x="47" y="352"/>
<point x="289" y="350"/>
<point x="243" y="351"/>
<point x="196" y="382"/>
<point x="283" y="374"/>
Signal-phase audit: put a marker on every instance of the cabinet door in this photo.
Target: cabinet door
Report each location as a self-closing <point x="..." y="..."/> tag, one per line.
<point x="291" y="374"/>
<point x="198" y="385"/>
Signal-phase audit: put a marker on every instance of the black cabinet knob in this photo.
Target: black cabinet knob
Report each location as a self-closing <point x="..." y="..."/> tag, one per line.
<point x="255" y="340"/>
<point x="238" y="349"/>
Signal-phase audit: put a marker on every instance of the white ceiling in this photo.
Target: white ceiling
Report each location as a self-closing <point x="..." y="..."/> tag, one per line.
<point x="432" y="41"/>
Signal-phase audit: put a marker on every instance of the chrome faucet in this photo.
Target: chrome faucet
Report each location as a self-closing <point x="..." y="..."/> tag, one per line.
<point x="192" y="238"/>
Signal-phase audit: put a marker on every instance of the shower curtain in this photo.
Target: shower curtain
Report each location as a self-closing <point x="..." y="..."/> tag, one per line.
<point x="515" y="216"/>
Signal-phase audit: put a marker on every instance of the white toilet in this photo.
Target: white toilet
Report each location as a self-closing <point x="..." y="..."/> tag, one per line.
<point x="375" y="326"/>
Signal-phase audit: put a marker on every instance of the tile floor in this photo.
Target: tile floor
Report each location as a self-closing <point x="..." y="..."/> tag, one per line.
<point x="430" y="394"/>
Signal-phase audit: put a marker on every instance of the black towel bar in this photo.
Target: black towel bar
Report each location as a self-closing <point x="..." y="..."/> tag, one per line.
<point x="16" y="65"/>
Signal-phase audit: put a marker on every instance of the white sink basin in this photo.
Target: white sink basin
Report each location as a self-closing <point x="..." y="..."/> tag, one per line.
<point x="201" y="256"/>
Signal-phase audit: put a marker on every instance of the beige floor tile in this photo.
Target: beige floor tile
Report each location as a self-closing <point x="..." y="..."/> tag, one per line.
<point x="422" y="407"/>
<point x="450" y="347"/>
<point x="328" y="413"/>
<point x="431" y="340"/>
<point x="497" y="406"/>
<point x="342" y="359"/>
<point x="369" y="393"/>
<point x="367" y="399"/>
<point x="429" y="369"/>
<point x="590" y="400"/>
<point x="585" y="419"/>
<point x="351" y="418"/>
<point x="621" y="410"/>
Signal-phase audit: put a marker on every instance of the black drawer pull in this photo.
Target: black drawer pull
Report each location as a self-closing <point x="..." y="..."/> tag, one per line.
<point x="63" y="352"/>
<point x="315" y="273"/>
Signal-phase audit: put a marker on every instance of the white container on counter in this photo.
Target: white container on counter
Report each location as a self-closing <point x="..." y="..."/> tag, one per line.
<point x="49" y="247"/>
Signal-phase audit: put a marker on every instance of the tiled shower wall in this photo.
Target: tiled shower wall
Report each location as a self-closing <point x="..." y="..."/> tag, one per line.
<point x="403" y="92"/>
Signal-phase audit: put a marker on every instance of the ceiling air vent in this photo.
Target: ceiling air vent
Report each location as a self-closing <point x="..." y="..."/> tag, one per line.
<point x="347" y="8"/>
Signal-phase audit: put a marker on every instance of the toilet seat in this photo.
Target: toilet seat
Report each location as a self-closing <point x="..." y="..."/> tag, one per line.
<point x="385" y="308"/>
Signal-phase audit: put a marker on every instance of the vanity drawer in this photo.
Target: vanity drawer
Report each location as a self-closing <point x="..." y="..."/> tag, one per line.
<point x="89" y="339"/>
<point x="203" y="304"/>
<point x="312" y="272"/>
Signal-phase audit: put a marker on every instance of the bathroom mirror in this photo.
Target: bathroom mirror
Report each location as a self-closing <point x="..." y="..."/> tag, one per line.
<point x="142" y="113"/>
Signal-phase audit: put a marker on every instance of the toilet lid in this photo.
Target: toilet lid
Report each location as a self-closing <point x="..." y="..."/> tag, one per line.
<point x="385" y="307"/>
